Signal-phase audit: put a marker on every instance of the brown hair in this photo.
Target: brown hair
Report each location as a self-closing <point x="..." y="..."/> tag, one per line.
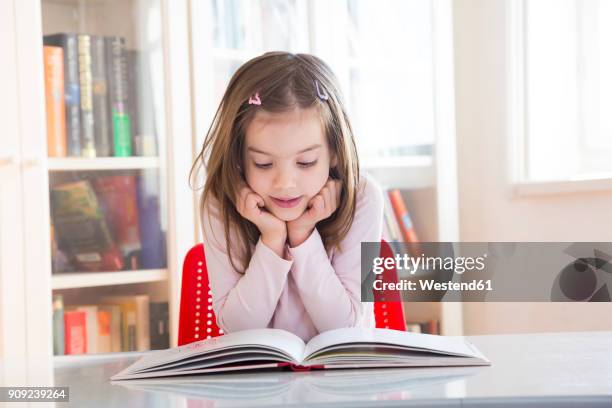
<point x="284" y="81"/>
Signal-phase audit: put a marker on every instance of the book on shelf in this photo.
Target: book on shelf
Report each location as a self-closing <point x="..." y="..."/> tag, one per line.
<point x="118" y="96"/>
<point x="107" y="97"/>
<point x="104" y="331"/>
<point x="158" y="325"/>
<point x="72" y="98"/>
<point x="58" y="325"/>
<point x="135" y="324"/>
<point x="404" y="220"/>
<point x="140" y="104"/>
<point x="431" y="326"/>
<point x="75" y="332"/>
<point x="153" y="242"/>
<point x="114" y="324"/>
<point x="91" y="325"/>
<point x="352" y="347"/>
<point x="81" y="228"/>
<point x="55" y="107"/>
<point x="117" y="194"/>
<point x="88" y="144"/>
<point x="101" y="115"/>
<point x="113" y="313"/>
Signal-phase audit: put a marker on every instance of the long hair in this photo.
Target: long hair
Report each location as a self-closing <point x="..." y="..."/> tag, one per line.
<point x="284" y="81"/>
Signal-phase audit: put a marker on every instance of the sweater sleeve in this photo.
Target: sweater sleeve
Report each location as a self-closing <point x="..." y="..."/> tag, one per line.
<point x="331" y="291"/>
<point x="242" y="301"/>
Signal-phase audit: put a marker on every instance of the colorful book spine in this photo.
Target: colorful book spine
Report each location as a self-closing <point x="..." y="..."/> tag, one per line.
<point x="140" y="104"/>
<point x="159" y="319"/>
<point x="91" y="325"/>
<point x="75" y="332"/>
<point x="114" y="311"/>
<point x="118" y="197"/>
<point x="54" y="101"/>
<point x="153" y="252"/>
<point x="88" y="144"/>
<point x="68" y="42"/>
<point x="104" y="331"/>
<point x="118" y="90"/>
<point x="58" y="325"/>
<point x="101" y="116"/>
<point x="403" y="217"/>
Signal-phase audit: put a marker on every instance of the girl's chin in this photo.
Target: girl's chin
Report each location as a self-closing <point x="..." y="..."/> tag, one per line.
<point x="288" y="214"/>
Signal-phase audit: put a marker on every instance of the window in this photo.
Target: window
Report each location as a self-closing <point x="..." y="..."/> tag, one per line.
<point x="381" y="51"/>
<point x="568" y="89"/>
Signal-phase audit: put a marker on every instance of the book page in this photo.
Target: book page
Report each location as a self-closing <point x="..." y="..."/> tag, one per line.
<point x="426" y="342"/>
<point x="278" y="339"/>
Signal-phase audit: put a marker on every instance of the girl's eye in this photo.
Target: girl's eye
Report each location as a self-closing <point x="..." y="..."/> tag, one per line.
<point x="263" y="166"/>
<point x="307" y="164"/>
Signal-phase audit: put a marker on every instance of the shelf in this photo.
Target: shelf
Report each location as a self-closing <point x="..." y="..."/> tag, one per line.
<point x="90" y="279"/>
<point x="102" y="163"/>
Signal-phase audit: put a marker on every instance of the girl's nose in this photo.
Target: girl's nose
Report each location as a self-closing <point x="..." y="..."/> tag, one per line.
<point x="284" y="180"/>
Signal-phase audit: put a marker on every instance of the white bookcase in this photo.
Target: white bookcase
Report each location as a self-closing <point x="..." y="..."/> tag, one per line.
<point x="226" y="34"/>
<point x="157" y="27"/>
<point x="194" y="66"/>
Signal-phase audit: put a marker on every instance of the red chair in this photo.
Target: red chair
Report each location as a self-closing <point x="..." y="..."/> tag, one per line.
<point x="197" y="320"/>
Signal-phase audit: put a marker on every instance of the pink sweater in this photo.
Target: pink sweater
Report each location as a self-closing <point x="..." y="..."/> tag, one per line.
<point x="312" y="293"/>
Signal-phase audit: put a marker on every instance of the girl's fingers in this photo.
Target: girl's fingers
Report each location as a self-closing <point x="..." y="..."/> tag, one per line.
<point x="318" y="204"/>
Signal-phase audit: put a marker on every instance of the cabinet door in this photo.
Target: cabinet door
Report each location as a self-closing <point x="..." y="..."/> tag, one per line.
<point x="121" y="212"/>
<point x="12" y="304"/>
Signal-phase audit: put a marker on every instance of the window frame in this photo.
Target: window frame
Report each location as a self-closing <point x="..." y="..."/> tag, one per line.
<point x="517" y="102"/>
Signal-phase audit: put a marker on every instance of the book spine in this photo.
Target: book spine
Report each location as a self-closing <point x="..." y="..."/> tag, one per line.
<point x="116" y="329"/>
<point x="58" y="325"/>
<point x="88" y="144"/>
<point x="104" y="331"/>
<point x="143" y="330"/>
<point x="140" y="105"/>
<point x="403" y="218"/>
<point x="91" y="325"/>
<point x="75" y="332"/>
<point x="160" y="335"/>
<point x="72" y="99"/>
<point x="54" y="101"/>
<point x="102" y="130"/>
<point x="118" y="197"/>
<point x="153" y="245"/>
<point x="130" y="330"/>
<point x="117" y="80"/>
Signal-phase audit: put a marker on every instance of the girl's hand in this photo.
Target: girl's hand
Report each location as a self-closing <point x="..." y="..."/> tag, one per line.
<point x="273" y="231"/>
<point x="320" y="207"/>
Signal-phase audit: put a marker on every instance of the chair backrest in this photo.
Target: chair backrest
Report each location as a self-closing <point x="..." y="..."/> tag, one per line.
<point x="197" y="319"/>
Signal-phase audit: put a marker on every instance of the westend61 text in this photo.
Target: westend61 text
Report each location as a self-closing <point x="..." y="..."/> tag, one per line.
<point x="430" y="284"/>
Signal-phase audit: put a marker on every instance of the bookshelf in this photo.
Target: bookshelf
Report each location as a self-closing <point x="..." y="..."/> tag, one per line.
<point x="103" y="163"/>
<point x="95" y="279"/>
<point x="156" y="170"/>
<point x="420" y="158"/>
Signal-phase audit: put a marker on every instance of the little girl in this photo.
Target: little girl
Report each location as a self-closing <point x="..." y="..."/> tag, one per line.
<point x="285" y="207"/>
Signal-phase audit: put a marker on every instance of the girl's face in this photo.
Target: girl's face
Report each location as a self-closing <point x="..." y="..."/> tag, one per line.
<point x="287" y="159"/>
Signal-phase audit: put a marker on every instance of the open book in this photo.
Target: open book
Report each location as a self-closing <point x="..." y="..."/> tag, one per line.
<point x="352" y="347"/>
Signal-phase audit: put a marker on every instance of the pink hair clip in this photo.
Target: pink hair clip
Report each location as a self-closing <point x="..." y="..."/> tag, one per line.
<point x="255" y="100"/>
<point x="323" y="95"/>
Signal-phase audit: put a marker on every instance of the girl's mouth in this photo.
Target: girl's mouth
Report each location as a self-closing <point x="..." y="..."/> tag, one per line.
<point x="287" y="203"/>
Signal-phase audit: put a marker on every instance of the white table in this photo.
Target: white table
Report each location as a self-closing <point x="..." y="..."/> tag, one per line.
<point x="535" y="370"/>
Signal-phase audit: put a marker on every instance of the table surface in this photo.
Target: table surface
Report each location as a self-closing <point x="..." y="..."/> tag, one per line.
<point x="541" y="369"/>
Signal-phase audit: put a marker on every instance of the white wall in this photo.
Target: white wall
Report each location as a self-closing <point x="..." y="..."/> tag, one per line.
<point x="487" y="211"/>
